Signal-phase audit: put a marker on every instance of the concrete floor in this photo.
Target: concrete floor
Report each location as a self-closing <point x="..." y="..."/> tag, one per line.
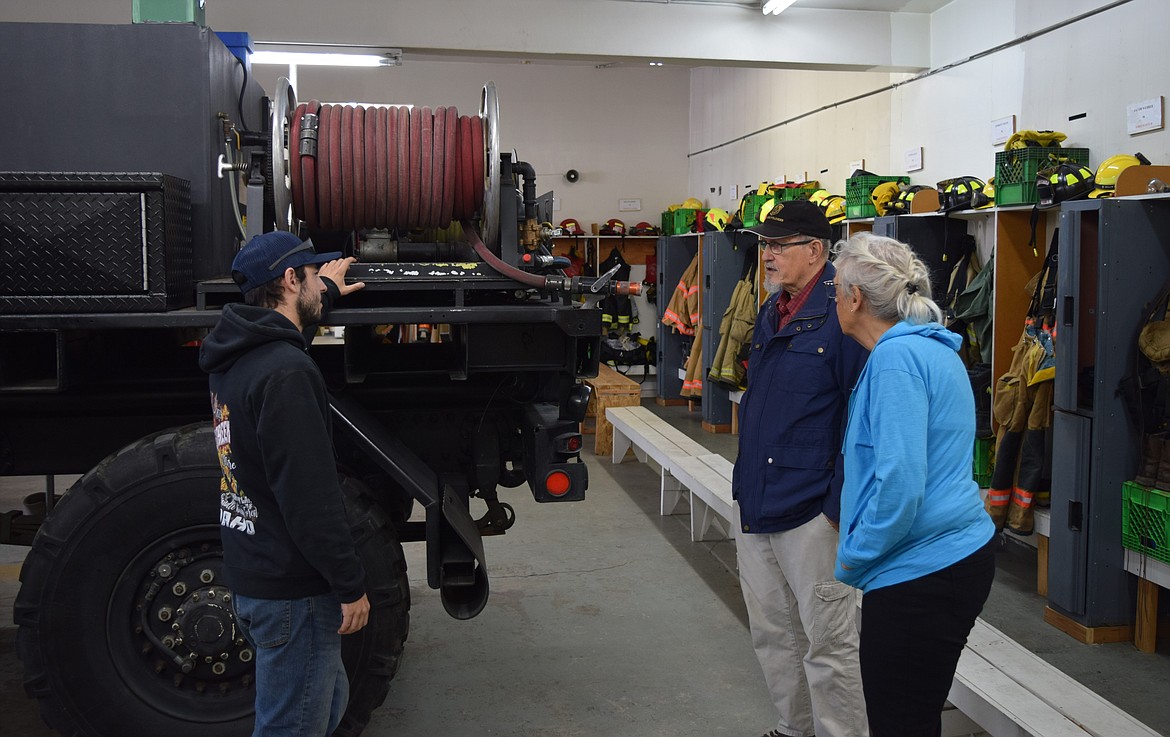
<point x="604" y="619"/>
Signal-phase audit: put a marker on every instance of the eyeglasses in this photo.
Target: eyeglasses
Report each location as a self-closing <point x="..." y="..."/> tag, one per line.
<point x="831" y="286"/>
<point x="306" y="246"/>
<point x="776" y="248"/>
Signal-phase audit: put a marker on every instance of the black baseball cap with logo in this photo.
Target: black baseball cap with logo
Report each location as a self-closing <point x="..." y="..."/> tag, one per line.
<point x="795" y="217"/>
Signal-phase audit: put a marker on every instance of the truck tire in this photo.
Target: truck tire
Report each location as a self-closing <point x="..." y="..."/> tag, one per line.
<point x="129" y="559"/>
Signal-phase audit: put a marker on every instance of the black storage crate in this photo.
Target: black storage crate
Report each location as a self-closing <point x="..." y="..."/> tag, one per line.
<point x="95" y="242"/>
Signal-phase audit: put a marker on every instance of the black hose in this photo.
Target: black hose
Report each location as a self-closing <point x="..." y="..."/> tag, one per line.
<point x="529" y="175"/>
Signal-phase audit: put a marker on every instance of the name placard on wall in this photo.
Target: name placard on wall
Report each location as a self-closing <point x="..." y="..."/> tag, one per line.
<point x="1002" y="129"/>
<point x="1144" y="116"/>
<point x="629" y="205"/>
<point x="913" y="159"/>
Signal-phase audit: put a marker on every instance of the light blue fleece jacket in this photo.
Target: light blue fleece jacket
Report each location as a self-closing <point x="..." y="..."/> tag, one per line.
<point x="909" y="505"/>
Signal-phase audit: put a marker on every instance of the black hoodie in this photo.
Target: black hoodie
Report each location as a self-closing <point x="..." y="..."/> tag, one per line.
<point x="282" y="522"/>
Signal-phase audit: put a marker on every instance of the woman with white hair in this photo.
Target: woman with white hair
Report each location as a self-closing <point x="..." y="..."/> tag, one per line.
<point x="914" y="535"/>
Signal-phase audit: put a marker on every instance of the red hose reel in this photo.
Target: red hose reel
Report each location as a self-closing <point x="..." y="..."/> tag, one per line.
<point x="354" y="167"/>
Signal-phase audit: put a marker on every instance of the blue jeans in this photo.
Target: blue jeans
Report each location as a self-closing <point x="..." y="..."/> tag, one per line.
<point x="301" y="686"/>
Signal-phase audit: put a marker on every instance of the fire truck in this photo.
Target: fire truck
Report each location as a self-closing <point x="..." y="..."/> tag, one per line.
<point x="139" y="158"/>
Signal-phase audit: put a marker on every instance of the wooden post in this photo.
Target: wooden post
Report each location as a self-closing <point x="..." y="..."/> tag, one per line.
<point x="1042" y="565"/>
<point x="1145" y="633"/>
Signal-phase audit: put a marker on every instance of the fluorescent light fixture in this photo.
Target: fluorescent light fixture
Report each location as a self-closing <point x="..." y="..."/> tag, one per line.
<point x="308" y="58"/>
<point x="776" y="7"/>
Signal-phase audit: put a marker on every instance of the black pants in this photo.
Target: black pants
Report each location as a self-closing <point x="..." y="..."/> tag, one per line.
<point x="911" y="636"/>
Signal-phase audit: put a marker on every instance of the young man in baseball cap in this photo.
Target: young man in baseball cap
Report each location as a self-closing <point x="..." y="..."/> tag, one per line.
<point x="297" y="581"/>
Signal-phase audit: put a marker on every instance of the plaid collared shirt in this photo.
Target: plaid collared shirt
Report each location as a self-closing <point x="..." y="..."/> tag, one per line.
<point x="787" y="305"/>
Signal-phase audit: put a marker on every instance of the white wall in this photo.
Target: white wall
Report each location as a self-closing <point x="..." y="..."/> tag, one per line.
<point x="623" y="128"/>
<point x="1096" y="66"/>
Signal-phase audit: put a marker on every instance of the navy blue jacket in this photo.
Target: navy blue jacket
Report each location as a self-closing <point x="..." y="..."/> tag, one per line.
<point x="792" y="416"/>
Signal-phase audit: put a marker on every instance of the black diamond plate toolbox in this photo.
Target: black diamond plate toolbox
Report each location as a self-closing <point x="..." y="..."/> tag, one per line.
<point x="94" y="242"/>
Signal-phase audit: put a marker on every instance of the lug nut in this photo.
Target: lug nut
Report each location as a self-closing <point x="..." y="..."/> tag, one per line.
<point x="207" y="659"/>
<point x="218" y="669"/>
<point x="246" y="655"/>
<point x="168" y="641"/>
<point x="164" y="614"/>
<point x="227" y="596"/>
<point x="179" y="588"/>
<point x="207" y="575"/>
<point x="166" y="570"/>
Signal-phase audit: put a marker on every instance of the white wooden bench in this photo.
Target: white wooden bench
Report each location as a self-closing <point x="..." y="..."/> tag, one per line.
<point x="687" y="467"/>
<point x="1011" y="692"/>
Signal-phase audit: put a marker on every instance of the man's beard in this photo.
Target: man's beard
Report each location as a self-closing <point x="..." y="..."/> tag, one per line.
<point x="308" y="309"/>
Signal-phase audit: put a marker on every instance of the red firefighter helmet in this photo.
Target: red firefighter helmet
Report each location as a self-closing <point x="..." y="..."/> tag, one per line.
<point x="569" y="226"/>
<point x="613" y="226"/>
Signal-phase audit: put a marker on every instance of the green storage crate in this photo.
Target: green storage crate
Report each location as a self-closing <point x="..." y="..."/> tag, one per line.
<point x="984" y="461"/>
<point x="169" y="11"/>
<point x="788" y="194"/>
<point x="1145" y="520"/>
<point x="857" y="192"/>
<point x="751" y="209"/>
<point x="678" y="221"/>
<point x="1016" y="170"/>
<point x="860" y="211"/>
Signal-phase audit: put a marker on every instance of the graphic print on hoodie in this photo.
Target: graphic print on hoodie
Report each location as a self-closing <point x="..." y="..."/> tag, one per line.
<point x="236" y="510"/>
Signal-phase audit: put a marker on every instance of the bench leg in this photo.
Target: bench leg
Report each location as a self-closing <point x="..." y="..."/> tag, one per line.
<point x="673" y="493"/>
<point x="706" y="525"/>
<point x="621" y="444"/>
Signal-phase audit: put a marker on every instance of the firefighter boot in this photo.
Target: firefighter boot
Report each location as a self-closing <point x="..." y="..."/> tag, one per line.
<point x="1162" y="480"/>
<point x="1151" y="455"/>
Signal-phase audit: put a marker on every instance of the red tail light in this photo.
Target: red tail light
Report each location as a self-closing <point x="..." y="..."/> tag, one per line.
<point x="558" y="483"/>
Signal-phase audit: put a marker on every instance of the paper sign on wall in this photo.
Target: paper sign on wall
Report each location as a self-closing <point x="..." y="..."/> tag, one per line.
<point x="733" y="192"/>
<point x="629" y="205"/>
<point x="856" y="165"/>
<point x="1002" y="129"/>
<point x="1144" y="116"/>
<point x="913" y="159"/>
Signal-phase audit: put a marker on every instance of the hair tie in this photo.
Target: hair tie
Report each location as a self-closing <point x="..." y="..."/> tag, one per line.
<point x="911" y="287"/>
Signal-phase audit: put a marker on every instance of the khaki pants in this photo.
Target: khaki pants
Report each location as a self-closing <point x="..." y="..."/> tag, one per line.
<point x="804" y="629"/>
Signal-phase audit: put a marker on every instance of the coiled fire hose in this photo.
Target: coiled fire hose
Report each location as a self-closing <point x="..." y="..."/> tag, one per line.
<point x="353" y="167"/>
<point x="359" y="167"/>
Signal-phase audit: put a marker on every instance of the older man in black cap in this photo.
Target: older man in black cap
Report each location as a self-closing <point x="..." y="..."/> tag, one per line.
<point x="288" y="555"/>
<point x="787" y="481"/>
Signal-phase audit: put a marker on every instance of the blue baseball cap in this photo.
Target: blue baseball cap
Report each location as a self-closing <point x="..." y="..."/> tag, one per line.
<point x="266" y="256"/>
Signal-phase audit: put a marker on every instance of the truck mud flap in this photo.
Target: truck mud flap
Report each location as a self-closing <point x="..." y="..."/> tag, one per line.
<point x="455" y="557"/>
